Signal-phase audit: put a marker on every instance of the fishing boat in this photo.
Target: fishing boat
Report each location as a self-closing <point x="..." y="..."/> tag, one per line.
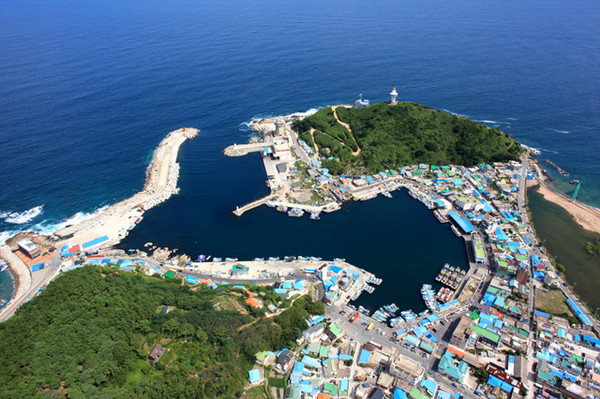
<point x="408" y="315"/>
<point x="386" y="194"/>
<point x="315" y="215"/>
<point x="281" y="208"/>
<point x="441" y="218"/>
<point x="270" y="204"/>
<point x="296" y="212"/>
<point x="455" y="231"/>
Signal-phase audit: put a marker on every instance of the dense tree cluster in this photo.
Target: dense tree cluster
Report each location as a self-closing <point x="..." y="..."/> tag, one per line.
<point x="89" y="333"/>
<point x="404" y="134"/>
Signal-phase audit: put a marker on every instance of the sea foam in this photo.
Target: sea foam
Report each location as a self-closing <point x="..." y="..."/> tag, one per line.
<point x="22" y="217"/>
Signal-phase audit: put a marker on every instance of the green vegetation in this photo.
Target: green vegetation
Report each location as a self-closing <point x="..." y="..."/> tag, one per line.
<point x="89" y="332"/>
<point x="552" y="302"/>
<point x="593" y="247"/>
<point x="404" y="134"/>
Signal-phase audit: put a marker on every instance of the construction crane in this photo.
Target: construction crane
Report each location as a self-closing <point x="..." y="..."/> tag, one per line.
<point x="576" y="192"/>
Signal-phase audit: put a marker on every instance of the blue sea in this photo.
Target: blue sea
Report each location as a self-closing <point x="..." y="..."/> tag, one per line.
<point x="88" y="89"/>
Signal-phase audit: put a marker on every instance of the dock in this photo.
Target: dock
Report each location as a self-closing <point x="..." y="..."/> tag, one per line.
<point x="239" y="150"/>
<point x="240" y="211"/>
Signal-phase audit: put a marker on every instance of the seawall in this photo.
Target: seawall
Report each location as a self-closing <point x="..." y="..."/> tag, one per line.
<point x="161" y="183"/>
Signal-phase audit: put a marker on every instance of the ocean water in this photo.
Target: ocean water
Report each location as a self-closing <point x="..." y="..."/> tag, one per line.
<point x="87" y="90"/>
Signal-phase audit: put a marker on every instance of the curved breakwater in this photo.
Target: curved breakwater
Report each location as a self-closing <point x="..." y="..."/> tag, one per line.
<point x="161" y="183"/>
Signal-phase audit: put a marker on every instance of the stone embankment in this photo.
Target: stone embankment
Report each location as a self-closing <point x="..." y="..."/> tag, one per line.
<point x="161" y="183"/>
<point x="19" y="270"/>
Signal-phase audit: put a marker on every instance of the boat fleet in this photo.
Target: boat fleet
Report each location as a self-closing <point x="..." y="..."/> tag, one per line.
<point x="450" y="276"/>
<point x="429" y="297"/>
<point x="293" y="212"/>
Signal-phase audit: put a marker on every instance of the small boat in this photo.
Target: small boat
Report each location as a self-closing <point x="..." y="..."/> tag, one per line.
<point x="281" y="208"/>
<point x="231" y="259"/>
<point x="201" y="258"/>
<point x="296" y="212"/>
<point x="386" y="194"/>
<point x="217" y="260"/>
<point x="315" y="259"/>
<point x="339" y="259"/>
<point x="315" y="216"/>
<point x="259" y="259"/>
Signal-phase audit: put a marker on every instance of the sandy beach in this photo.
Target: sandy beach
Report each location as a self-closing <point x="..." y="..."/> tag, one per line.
<point x="586" y="216"/>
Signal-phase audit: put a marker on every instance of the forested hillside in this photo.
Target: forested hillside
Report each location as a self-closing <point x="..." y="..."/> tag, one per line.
<point x="89" y="333"/>
<point x="400" y="135"/>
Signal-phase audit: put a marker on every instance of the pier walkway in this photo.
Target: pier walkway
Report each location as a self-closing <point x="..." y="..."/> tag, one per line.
<point x="239" y="150"/>
<point x="240" y="211"/>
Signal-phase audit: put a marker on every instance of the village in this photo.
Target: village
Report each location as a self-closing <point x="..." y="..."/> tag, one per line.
<point x="508" y="327"/>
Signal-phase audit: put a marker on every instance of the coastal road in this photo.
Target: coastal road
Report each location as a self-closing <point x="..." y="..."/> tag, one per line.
<point x="39" y="280"/>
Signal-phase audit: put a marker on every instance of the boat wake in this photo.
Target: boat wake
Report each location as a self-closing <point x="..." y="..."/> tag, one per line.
<point x="22" y="217"/>
<point x="560" y="131"/>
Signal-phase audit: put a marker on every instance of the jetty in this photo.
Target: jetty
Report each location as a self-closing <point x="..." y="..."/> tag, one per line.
<point x="240" y="211"/>
<point x="239" y="150"/>
<point x="113" y="224"/>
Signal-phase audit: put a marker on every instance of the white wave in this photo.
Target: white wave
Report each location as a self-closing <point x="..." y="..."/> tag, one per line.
<point x="5" y="235"/>
<point x="512" y="119"/>
<point x="560" y="131"/>
<point x="46" y="227"/>
<point x="491" y="122"/>
<point x="49" y="228"/>
<point x="454" y="113"/>
<point x="550" y="151"/>
<point x="304" y="114"/>
<point x="245" y="126"/>
<point x="22" y="217"/>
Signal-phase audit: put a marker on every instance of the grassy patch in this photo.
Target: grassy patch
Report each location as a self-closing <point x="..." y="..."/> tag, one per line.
<point x="552" y="302"/>
<point x="255" y="393"/>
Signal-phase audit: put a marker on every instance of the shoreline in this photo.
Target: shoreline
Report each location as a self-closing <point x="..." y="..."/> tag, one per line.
<point x="20" y="273"/>
<point x="586" y="216"/>
<point x="110" y="226"/>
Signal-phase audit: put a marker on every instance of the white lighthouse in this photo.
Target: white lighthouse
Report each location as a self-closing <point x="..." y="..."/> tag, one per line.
<point x="393" y="96"/>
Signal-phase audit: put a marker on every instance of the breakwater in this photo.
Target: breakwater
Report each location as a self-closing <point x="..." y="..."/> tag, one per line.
<point x="21" y="274"/>
<point x="161" y="183"/>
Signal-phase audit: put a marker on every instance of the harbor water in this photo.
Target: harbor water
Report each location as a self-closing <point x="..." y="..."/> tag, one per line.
<point x="87" y="91"/>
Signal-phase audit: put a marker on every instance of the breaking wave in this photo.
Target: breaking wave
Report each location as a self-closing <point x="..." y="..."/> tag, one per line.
<point x="22" y="217"/>
<point x="454" y="113"/>
<point x="46" y="227"/>
<point x="245" y="126"/>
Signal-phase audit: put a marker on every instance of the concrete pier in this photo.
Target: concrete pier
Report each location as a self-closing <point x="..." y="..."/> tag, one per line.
<point x="240" y="211"/>
<point x="239" y="150"/>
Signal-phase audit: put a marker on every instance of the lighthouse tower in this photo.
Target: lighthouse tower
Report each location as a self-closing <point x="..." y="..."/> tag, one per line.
<point x="393" y="96"/>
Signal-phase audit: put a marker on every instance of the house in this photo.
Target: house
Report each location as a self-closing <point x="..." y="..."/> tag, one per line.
<point x="313" y="332"/>
<point x="452" y="366"/>
<point x="27" y="246"/>
<point x="285" y="359"/>
<point x="156" y="352"/>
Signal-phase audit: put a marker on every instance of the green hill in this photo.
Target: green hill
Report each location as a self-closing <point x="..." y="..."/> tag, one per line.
<point x="88" y="334"/>
<point x="401" y="135"/>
